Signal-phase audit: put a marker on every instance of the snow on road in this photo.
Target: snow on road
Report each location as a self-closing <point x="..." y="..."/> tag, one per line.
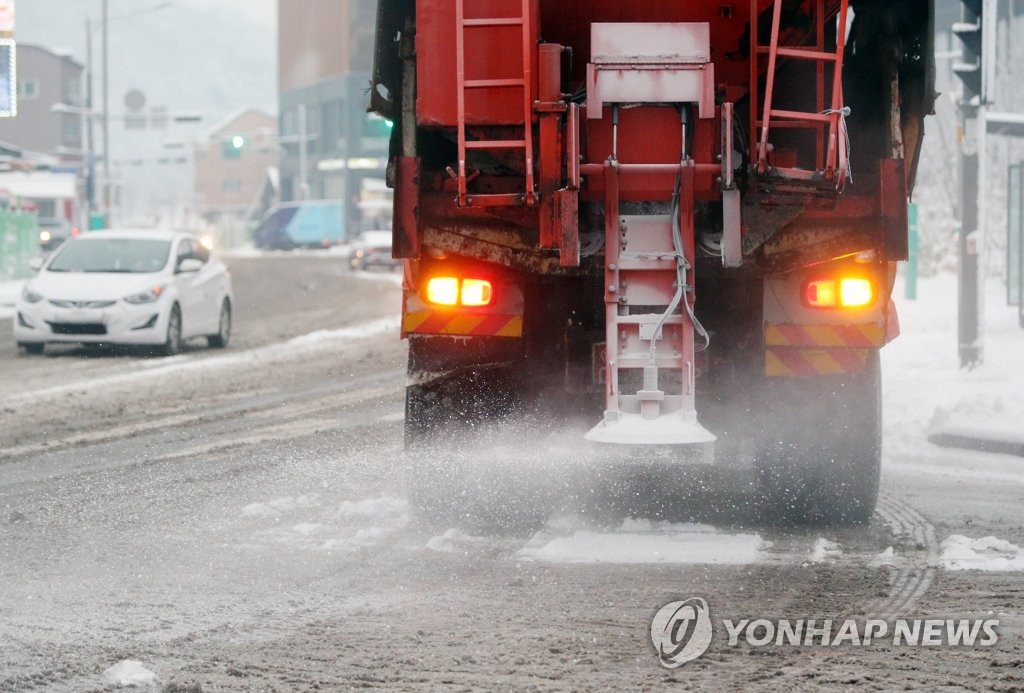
<point x="988" y="553"/>
<point x="301" y="347"/>
<point x="825" y="551"/>
<point x="306" y="522"/>
<point x="644" y="541"/>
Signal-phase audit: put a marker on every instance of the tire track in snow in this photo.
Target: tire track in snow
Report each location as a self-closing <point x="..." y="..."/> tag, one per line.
<point x="912" y="581"/>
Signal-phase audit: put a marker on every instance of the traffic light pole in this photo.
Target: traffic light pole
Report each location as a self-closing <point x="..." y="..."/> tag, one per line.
<point x="977" y="57"/>
<point x="969" y="333"/>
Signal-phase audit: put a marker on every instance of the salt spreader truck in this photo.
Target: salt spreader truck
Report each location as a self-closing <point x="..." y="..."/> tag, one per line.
<point x="681" y="219"/>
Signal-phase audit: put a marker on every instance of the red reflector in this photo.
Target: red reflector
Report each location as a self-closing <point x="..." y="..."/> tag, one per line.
<point x="821" y="293"/>
<point x="845" y="292"/>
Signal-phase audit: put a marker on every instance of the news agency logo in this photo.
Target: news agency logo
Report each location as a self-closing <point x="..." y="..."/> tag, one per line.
<point x="681" y="631"/>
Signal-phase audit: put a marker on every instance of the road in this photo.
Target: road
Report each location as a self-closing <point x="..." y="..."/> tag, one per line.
<point x="237" y="520"/>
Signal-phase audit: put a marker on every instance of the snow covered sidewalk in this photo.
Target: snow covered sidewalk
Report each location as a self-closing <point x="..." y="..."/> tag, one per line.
<point x="928" y="395"/>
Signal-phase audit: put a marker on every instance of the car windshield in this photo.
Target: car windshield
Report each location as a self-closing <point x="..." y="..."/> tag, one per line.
<point x="128" y="255"/>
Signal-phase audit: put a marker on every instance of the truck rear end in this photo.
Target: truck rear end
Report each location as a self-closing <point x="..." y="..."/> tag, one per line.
<point x="678" y="220"/>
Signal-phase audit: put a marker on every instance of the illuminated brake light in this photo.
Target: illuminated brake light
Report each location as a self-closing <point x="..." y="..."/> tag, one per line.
<point x="855" y="292"/>
<point x="443" y="291"/>
<point x="452" y="291"/>
<point x="848" y="292"/>
<point x="476" y="292"/>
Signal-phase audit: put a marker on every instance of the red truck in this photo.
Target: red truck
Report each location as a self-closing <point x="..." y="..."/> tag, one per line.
<point x="679" y="219"/>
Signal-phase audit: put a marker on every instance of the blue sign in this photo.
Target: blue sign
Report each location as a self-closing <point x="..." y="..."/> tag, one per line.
<point x="8" y="79"/>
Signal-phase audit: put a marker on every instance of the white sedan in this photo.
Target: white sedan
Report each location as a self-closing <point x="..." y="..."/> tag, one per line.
<point x="126" y="287"/>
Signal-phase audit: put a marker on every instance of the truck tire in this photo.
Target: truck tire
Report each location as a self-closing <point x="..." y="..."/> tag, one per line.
<point x="826" y="469"/>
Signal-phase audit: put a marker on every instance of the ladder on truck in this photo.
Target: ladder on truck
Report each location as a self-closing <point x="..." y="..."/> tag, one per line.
<point x="650" y="368"/>
<point x="649" y="284"/>
<point x="521" y="83"/>
<point x="831" y="160"/>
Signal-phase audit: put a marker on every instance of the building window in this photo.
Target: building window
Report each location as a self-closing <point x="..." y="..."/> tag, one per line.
<point x="332" y="135"/>
<point x="231" y="185"/>
<point x="289" y="122"/>
<point x="72" y="130"/>
<point x="73" y="91"/>
<point x="28" y="89"/>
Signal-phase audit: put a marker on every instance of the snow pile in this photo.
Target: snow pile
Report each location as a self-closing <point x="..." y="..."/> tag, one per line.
<point x="354" y="525"/>
<point x="384" y="506"/>
<point x="9" y="292"/>
<point x="453" y="541"/>
<point x="644" y="541"/>
<point x="298" y="348"/>
<point x="129" y="672"/>
<point x="986" y="416"/>
<point x="988" y="553"/>
<point x="887" y="557"/>
<point x="280" y="506"/>
<point x="824" y="551"/>
<point x="928" y="396"/>
<point x="362" y="539"/>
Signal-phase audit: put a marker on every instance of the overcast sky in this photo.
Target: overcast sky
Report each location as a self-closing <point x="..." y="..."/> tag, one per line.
<point x="212" y="56"/>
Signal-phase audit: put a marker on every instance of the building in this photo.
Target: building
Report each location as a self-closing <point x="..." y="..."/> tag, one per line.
<point x="46" y="79"/>
<point x="233" y="166"/>
<point x="331" y="147"/>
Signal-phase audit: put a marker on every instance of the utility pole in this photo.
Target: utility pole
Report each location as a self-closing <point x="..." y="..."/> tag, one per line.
<point x="106" y="118"/>
<point x="90" y="170"/>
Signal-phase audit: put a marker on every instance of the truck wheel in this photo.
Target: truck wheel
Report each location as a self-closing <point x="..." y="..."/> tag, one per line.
<point x="827" y="467"/>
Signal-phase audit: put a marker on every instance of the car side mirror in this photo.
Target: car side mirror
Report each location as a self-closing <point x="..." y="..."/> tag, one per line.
<point x="35" y="264"/>
<point x="189" y="264"/>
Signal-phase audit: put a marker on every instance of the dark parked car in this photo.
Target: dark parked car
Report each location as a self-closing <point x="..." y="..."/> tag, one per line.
<point x="373" y="249"/>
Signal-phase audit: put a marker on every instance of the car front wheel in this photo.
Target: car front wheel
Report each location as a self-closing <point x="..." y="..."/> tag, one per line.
<point x="220" y="340"/>
<point x="172" y="343"/>
<point x="34" y="348"/>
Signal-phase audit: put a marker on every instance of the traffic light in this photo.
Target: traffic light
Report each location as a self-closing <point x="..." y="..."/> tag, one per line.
<point x="233" y="146"/>
<point x="976" y="66"/>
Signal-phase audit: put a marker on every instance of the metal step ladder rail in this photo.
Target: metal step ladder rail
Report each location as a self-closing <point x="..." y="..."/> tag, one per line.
<point x="649" y="257"/>
<point x="831" y="154"/>
<point x="523" y="83"/>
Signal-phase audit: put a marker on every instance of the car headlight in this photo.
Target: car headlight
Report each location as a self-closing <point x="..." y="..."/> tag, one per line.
<point x="30" y="295"/>
<point x="45" y="236"/>
<point x="147" y="296"/>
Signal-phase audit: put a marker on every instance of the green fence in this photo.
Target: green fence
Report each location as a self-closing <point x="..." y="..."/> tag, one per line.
<point x="19" y="243"/>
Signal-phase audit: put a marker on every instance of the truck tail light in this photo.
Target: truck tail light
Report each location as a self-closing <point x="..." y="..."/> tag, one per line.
<point x="476" y="292"/>
<point x="443" y="291"/>
<point x="845" y="292"/>
<point x="453" y="291"/>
